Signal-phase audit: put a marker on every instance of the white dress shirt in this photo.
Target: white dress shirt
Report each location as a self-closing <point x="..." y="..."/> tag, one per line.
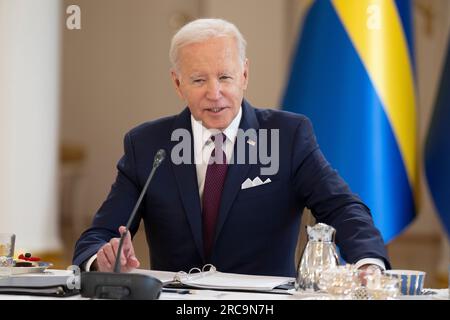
<point x="203" y="146"/>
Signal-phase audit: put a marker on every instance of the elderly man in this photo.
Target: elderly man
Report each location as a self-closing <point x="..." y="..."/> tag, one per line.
<point x="218" y="209"/>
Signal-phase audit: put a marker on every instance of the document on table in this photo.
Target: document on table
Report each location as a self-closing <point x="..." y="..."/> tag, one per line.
<point x="232" y="281"/>
<point x="214" y="279"/>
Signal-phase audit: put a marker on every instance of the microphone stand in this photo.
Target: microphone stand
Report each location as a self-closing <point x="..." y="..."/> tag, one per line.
<point x="127" y="286"/>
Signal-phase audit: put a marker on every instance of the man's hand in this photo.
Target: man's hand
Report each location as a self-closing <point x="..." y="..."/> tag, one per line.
<point x="106" y="256"/>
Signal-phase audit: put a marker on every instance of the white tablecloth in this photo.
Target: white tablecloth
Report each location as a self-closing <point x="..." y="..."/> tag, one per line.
<point x="200" y="294"/>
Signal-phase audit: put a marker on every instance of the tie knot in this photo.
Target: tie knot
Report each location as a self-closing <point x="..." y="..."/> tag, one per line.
<point x="219" y="137"/>
<point x="218" y="153"/>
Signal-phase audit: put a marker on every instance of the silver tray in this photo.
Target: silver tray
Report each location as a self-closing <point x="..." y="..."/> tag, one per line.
<point x="42" y="266"/>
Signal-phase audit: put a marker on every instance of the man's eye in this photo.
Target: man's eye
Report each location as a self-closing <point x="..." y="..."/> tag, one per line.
<point x="198" y="81"/>
<point x="225" y="78"/>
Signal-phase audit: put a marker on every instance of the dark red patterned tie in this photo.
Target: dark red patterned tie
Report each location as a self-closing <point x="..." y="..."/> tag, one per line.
<point x="212" y="192"/>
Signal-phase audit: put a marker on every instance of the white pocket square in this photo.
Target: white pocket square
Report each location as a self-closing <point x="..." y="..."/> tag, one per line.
<point x="249" y="183"/>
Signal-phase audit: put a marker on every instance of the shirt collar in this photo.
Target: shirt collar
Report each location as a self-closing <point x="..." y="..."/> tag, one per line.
<point x="202" y="134"/>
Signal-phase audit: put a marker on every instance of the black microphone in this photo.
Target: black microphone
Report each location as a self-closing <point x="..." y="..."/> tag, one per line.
<point x="159" y="157"/>
<point x="127" y="286"/>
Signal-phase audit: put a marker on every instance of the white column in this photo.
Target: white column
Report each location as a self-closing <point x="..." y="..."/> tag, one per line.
<point x="29" y="103"/>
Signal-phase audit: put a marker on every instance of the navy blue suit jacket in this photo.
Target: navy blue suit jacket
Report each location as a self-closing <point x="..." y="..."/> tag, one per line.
<point x="257" y="228"/>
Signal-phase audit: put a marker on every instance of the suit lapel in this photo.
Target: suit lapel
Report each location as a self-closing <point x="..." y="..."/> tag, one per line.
<point x="186" y="177"/>
<point x="236" y="172"/>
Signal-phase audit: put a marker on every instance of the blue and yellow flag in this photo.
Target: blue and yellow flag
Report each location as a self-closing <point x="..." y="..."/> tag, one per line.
<point x="352" y="75"/>
<point x="437" y="150"/>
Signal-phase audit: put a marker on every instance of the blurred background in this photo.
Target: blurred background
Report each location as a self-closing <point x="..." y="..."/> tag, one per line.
<point x="76" y="75"/>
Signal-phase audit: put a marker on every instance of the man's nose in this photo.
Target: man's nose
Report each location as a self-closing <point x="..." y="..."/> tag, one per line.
<point x="213" y="90"/>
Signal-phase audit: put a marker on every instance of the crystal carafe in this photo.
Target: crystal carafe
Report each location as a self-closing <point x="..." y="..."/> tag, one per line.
<point x="319" y="254"/>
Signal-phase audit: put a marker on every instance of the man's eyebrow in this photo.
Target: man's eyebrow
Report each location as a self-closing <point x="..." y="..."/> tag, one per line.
<point x="196" y="75"/>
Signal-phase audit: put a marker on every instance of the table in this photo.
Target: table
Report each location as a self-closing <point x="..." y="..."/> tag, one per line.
<point x="201" y="294"/>
<point x="441" y="294"/>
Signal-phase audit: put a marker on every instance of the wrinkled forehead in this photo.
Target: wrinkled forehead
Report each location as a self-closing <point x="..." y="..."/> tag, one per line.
<point x="217" y="53"/>
<point x="212" y="51"/>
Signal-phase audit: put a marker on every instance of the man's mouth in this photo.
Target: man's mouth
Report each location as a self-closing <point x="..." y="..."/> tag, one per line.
<point x="215" y="109"/>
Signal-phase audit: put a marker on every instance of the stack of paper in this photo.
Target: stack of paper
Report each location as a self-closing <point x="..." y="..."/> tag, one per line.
<point x="232" y="281"/>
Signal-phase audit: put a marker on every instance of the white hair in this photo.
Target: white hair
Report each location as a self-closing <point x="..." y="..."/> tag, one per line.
<point x="201" y="30"/>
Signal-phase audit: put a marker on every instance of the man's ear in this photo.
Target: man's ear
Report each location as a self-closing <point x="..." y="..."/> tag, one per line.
<point x="245" y="73"/>
<point x="176" y="82"/>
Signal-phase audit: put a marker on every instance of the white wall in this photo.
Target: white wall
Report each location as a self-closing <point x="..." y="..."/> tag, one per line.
<point x="263" y="24"/>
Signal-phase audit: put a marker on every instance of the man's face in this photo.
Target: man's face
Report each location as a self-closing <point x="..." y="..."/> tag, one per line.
<point x="211" y="80"/>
